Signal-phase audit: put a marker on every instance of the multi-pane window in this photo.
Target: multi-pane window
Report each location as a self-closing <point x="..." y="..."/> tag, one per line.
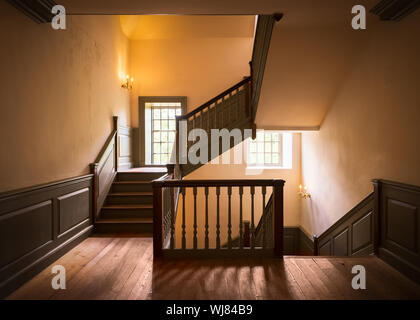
<point x="163" y="129"/>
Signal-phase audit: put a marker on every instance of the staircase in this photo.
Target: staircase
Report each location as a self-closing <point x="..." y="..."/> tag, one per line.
<point x="128" y="207"/>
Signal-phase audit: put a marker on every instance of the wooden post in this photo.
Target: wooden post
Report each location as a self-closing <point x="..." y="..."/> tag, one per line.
<point x="95" y="190"/>
<point x="157" y="220"/>
<point x="278" y="217"/>
<point x="316" y="245"/>
<point x="117" y="147"/>
<point x="376" y="218"/>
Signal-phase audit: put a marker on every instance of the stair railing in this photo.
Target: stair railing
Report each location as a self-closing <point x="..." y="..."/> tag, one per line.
<point x="204" y="187"/>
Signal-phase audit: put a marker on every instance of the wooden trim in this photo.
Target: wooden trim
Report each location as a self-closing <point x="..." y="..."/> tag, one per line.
<point x="218" y="183"/>
<point x="42" y="223"/>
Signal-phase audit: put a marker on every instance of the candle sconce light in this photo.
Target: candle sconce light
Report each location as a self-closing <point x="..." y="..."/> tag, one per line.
<point x="303" y="193"/>
<point x="127" y="83"/>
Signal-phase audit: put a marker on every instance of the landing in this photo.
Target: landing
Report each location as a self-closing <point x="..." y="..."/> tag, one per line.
<point x="145" y="169"/>
<point x="123" y="268"/>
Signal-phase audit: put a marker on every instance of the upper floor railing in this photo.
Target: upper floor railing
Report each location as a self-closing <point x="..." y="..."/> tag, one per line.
<point x="210" y="212"/>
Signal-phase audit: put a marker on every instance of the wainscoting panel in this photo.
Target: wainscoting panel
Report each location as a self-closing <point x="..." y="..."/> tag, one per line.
<point x="297" y="242"/>
<point x="125" y="150"/>
<point x="352" y="235"/>
<point x="399" y="241"/>
<point x="39" y="224"/>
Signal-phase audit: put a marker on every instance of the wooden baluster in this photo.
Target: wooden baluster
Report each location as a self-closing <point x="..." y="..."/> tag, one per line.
<point x="241" y="239"/>
<point x="278" y="218"/>
<point x="172" y="208"/>
<point x="184" y="241"/>
<point x="230" y="218"/>
<point x="218" y="219"/>
<point x="206" y="240"/>
<point x="195" y="218"/>
<point x="263" y="191"/>
<point x="252" y="218"/>
<point x="246" y="234"/>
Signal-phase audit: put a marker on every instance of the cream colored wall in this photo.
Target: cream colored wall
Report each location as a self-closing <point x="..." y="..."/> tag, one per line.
<point x="372" y="129"/>
<point x="199" y="68"/>
<point x="239" y="171"/>
<point x="59" y="91"/>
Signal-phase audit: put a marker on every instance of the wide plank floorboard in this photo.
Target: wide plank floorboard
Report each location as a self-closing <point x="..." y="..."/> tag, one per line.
<point x="123" y="268"/>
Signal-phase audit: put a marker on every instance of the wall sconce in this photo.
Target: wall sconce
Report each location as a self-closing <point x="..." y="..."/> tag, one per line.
<point x="127" y="83"/>
<point x="303" y="193"/>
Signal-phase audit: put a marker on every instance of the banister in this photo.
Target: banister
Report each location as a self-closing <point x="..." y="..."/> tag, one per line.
<point x="218" y="183"/>
<point x="215" y="99"/>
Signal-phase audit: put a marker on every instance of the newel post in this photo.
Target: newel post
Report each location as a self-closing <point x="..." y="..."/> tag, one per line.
<point x="316" y="245"/>
<point x="157" y="220"/>
<point x="95" y="188"/>
<point x="117" y="147"/>
<point x="278" y="217"/>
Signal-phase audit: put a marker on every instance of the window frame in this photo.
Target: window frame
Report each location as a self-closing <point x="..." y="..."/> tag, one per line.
<point x="142" y="127"/>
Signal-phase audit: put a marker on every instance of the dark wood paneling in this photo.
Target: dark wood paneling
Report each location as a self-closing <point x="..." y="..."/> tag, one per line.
<point x="352" y="234"/>
<point x="399" y="226"/>
<point x="37" y="10"/>
<point x="39" y="224"/>
<point x="395" y="10"/>
<point x="73" y="209"/>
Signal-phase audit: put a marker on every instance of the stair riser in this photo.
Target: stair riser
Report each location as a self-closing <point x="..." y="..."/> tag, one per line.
<point x="145" y="228"/>
<point x="132" y="187"/>
<point x="127" y="213"/>
<point x="143" y="176"/>
<point x="129" y="199"/>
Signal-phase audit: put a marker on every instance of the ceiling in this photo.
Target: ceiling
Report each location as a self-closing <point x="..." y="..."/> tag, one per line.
<point x="146" y="27"/>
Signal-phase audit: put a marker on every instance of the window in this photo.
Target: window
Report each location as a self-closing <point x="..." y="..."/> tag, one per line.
<point x="157" y="117"/>
<point x="270" y="149"/>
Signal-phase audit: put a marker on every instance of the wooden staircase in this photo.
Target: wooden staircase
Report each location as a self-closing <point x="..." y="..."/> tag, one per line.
<point x="128" y="207"/>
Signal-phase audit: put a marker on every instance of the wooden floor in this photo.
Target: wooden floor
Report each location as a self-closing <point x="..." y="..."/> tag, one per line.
<point x="123" y="268"/>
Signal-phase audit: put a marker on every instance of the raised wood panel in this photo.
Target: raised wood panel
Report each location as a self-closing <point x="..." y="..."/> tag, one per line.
<point x="106" y="177"/>
<point x="399" y="241"/>
<point x="24" y="230"/>
<point x="340" y="243"/>
<point x="73" y="208"/>
<point x="361" y="232"/>
<point x="39" y="224"/>
<point x="351" y="235"/>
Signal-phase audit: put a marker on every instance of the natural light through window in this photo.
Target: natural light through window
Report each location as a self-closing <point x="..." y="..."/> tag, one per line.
<point x="270" y="150"/>
<point x="160" y="130"/>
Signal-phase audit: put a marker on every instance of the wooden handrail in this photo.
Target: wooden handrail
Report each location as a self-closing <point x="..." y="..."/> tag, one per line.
<point x="218" y="183"/>
<point x="215" y="99"/>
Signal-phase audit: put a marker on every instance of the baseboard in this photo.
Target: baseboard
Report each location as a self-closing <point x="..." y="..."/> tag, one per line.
<point x="297" y="242"/>
<point x="403" y="266"/>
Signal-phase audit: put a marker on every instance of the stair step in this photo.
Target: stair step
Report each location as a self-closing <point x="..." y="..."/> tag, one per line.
<point x="132" y="186"/>
<point x="136" y="176"/>
<point x="129" y="211"/>
<point x="129" y="198"/>
<point x="142" y="226"/>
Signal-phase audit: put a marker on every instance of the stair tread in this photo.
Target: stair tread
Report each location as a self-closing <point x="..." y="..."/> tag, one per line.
<point x="129" y="193"/>
<point x="133" y="182"/>
<point x="128" y="206"/>
<point x="124" y="220"/>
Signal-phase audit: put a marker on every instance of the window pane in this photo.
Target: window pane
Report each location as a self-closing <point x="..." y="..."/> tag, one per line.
<point x="267" y="147"/>
<point x="156" y="113"/>
<point x="156" y="148"/>
<point x="171" y="136"/>
<point x="275" y="136"/>
<point x="260" y="158"/>
<point x="267" y="136"/>
<point x="164" y="158"/>
<point x="260" y="135"/>
<point x="164" y="148"/>
<point x="260" y="147"/>
<point x="267" y="158"/>
<point x="164" y="136"/>
<point x="276" y="158"/>
<point x="170" y="147"/>
<point x="178" y="112"/>
<point x="164" y="113"/>
<point x="156" y="125"/>
<point x="156" y="136"/>
<point x="253" y="147"/>
<point x="171" y="124"/>
<point x="156" y="159"/>
<point x="275" y="146"/>
<point x="252" y="158"/>
<point x="171" y="113"/>
<point x="164" y="125"/>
